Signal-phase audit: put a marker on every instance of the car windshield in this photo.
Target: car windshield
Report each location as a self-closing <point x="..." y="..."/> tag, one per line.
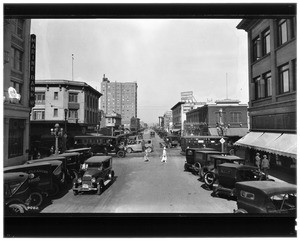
<point x="93" y="165"/>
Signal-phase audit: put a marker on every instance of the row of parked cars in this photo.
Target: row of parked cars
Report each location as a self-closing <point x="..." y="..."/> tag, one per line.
<point x="228" y="175"/>
<point x="28" y="186"/>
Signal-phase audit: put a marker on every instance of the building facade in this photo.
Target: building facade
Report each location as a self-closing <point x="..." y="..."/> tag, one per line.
<point x="211" y="118"/>
<point x="272" y="90"/>
<point x="16" y="87"/>
<point x="168" y="120"/>
<point x="73" y="105"/>
<point x="120" y="98"/>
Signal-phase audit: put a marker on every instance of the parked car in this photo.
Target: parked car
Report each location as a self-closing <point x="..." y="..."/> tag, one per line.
<point x="210" y="170"/>
<point x="196" y="158"/>
<point x="152" y="133"/>
<point x="85" y="153"/>
<point x="41" y="182"/>
<point x="72" y="164"/>
<point x="96" y="171"/>
<point x="57" y="174"/>
<point x="266" y="197"/>
<point x="201" y="142"/>
<point x="172" y="140"/>
<point x="19" y="197"/>
<point x="136" y="146"/>
<point x="230" y="173"/>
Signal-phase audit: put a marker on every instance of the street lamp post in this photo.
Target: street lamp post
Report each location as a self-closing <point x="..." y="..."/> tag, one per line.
<point x="222" y="128"/>
<point x="56" y="132"/>
<point x="65" y="133"/>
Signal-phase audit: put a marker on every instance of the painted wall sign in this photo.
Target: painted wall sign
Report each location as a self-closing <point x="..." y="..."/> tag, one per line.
<point x="32" y="71"/>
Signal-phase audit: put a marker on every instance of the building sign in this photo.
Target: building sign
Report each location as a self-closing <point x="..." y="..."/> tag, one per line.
<point x="187" y="96"/>
<point x="32" y="71"/>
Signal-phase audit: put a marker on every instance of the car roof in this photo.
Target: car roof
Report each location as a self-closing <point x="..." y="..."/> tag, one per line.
<point x="69" y="154"/>
<point x="201" y="149"/>
<point x="42" y="161"/>
<point x="78" y="149"/>
<point x="238" y="166"/>
<point x="97" y="159"/>
<point x="208" y="151"/>
<point x="227" y="157"/>
<point x="268" y="187"/>
<point x="24" y="166"/>
<point x="54" y="157"/>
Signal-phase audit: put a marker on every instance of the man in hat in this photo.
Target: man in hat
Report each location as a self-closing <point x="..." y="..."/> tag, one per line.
<point x="257" y="160"/>
<point x="265" y="165"/>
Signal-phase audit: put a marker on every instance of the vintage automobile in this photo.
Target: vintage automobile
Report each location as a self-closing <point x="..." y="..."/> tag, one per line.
<point x="96" y="173"/>
<point x="201" y="142"/>
<point x="19" y="196"/>
<point x="57" y="174"/>
<point x="172" y="140"/>
<point x="136" y="146"/>
<point x="41" y="182"/>
<point x="210" y="170"/>
<point x="197" y="158"/>
<point x="72" y="164"/>
<point x="229" y="174"/>
<point x="266" y="197"/>
<point x="85" y="153"/>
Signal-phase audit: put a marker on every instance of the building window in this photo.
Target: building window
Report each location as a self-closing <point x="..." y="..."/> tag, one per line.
<point x="17" y="86"/>
<point x="259" y="88"/>
<point x="40" y="98"/>
<point x="266" y="42"/>
<point x="73" y="114"/>
<point x="55" y="113"/>
<point x="294" y="73"/>
<point x="284" y="79"/>
<point x="73" y="97"/>
<point x="56" y="95"/>
<point x="283" y="35"/>
<point x="236" y="117"/>
<point x="268" y="84"/>
<point x="16" y="137"/>
<point x="18" y="26"/>
<point x="255" y="48"/>
<point x="16" y="59"/>
<point x="39" y="114"/>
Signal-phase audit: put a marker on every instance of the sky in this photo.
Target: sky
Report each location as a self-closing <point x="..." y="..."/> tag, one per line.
<point x="164" y="56"/>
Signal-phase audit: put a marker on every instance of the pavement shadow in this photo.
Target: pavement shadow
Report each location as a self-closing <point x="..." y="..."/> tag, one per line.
<point x="205" y="187"/>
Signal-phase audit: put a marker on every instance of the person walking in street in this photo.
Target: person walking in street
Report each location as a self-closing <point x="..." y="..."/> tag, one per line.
<point x="146" y="156"/>
<point x="257" y="160"/>
<point x="265" y="165"/>
<point x="164" y="156"/>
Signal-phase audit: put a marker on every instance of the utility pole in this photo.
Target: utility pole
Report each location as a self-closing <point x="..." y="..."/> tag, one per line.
<point x="72" y="67"/>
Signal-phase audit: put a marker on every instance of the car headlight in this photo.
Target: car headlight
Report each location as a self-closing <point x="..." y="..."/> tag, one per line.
<point x="79" y="180"/>
<point x="93" y="179"/>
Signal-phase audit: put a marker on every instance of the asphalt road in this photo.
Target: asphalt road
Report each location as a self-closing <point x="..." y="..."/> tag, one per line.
<point x="146" y="187"/>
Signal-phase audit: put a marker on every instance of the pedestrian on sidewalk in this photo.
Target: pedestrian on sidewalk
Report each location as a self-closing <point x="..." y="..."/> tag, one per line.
<point x="146" y="156"/>
<point x="265" y="165"/>
<point x="164" y="156"/>
<point x="258" y="161"/>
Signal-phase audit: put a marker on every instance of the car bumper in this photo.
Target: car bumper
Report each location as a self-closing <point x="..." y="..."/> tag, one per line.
<point x="83" y="188"/>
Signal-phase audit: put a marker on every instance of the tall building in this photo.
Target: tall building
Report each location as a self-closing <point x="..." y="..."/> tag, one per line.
<point x="120" y="98"/>
<point x="272" y="90"/>
<point x="16" y="86"/>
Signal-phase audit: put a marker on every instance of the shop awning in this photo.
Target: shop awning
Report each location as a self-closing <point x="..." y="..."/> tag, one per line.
<point x="239" y="131"/>
<point x="176" y="130"/>
<point x="276" y="143"/>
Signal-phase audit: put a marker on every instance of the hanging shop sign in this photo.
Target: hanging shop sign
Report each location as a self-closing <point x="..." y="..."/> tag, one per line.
<point x="32" y="71"/>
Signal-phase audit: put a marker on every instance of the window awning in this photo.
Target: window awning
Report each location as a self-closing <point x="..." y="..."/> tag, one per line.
<point x="276" y="143"/>
<point x="238" y="131"/>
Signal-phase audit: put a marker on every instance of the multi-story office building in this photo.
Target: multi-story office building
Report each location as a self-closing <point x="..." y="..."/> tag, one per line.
<point x="120" y="98"/>
<point x="16" y="86"/>
<point x="167" y="120"/>
<point x="71" y="104"/>
<point x="272" y="90"/>
<point x="209" y="119"/>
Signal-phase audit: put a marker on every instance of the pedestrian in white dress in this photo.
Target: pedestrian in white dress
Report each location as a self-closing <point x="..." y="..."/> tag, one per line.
<point x="164" y="156"/>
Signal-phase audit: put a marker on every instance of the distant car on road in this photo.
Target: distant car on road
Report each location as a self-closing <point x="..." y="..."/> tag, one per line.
<point x="136" y="146"/>
<point x="96" y="171"/>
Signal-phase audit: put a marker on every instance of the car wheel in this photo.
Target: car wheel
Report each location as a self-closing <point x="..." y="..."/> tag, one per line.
<point x="197" y="167"/>
<point x="209" y="179"/>
<point x="202" y="172"/>
<point x="111" y="175"/>
<point x="129" y="150"/>
<point x="186" y="167"/>
<point x="16" y="209"/>
<point x="120" y="154"/>
<point x="100" y="188"/>
<point x="54" y="191"/>
<point x="36" y="199"/>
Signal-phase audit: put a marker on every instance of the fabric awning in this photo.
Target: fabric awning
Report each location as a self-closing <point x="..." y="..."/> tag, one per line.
<point x="276" y="143"/>
<point x="238" y="131"/>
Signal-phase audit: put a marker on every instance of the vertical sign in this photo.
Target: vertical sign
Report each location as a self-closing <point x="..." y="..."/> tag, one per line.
<point x="32" y="71"/>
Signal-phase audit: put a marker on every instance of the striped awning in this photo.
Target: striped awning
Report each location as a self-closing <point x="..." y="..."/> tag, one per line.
<point x="277" y="143"/>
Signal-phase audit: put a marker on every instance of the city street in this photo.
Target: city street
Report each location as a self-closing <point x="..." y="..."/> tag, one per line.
<point x="146" y="187"/>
